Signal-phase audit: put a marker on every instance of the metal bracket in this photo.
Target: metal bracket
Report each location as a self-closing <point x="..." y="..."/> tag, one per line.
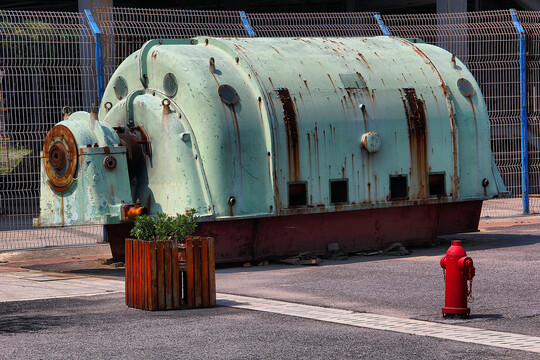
<point x="523" y="101"/>
<point x="247" y="25"/>
<point x="99" y="53"/>
<point x="382" y="25"/>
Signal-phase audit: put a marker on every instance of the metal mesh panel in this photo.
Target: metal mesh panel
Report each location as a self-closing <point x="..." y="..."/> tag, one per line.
<point x="126" y="30"/>
<point x="314" y="24"/>
<point x="45" y="63"/>
<point x="488" y="43"/>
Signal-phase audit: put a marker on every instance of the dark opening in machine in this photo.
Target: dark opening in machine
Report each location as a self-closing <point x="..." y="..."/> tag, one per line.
<point x="437" y="185"/>
<point x="297" y="194"/>
<point x="398" y="187"/>
<point x="339" y="191"/>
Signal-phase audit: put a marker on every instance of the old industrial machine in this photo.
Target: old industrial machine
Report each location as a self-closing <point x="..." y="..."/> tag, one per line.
<point x="282" y="145"/>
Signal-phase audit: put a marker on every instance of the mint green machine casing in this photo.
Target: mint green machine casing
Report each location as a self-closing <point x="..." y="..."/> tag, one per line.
<point x="264" y="127"/>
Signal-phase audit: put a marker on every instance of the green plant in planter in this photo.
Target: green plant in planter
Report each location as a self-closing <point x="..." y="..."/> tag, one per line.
<point x="164" y="227"/>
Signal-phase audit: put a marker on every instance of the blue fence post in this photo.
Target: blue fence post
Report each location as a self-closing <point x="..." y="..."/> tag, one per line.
<point x="523" y="96"/>
<point x="247" y="25"/>
<point x="382" y="25"/>
<point x="99" y="54"/>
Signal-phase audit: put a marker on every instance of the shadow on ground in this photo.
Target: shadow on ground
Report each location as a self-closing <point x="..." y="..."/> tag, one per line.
<point x="89" y="268"/>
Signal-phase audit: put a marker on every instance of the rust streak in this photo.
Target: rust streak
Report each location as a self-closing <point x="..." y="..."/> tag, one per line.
<point x="450" y="109"/>
<point x="62" y="208"/>
<point x="365" y="61"/>
<point x="261" y="113"/>
<point x="301" y="98"/>
<point x="350" y="94"/>
<point x="352" y="169"/>
<point x="305" y="84"/>
<point x="309" y="156"/>
<point x="317" y="157"/>
<point x="376" y="187"/>
<point x="475" y="127"/>
<point x="269" y="166"/>
<point x="332" y="81"/>
<point x="435" y="97"/>
<point x="216" y="78"/>
<point x="416" y="123"/>
<point x="276" y="50"/>
<point x="291" y="128"/>
<point x="364" y="115"/>
<point x="237" y="133"/>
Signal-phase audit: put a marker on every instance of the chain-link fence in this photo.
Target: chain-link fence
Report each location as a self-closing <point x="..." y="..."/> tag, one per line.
<point x="47" y="61"/>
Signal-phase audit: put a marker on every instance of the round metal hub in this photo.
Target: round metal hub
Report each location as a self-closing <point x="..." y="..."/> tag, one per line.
<point x="60" y="157"/>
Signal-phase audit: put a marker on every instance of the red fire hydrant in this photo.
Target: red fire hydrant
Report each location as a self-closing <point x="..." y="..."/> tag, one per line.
<point x="459" y="269"/>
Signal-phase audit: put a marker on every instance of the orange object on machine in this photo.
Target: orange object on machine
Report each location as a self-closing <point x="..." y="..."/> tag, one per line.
<point x="132" y="211"/>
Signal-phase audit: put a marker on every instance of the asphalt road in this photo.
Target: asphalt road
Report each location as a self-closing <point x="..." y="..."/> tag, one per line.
<point x="102" y="327"/>
<point x="505" y="288"/>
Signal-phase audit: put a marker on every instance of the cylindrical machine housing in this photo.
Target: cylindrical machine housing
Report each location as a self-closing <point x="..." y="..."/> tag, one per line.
<point x="285" y="145"/>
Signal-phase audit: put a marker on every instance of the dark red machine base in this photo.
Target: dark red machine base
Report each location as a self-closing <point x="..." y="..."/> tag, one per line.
<point x="356" y="230"/>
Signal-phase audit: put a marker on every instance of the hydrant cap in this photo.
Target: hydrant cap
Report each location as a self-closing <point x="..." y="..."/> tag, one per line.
<point x="455" y="242"/>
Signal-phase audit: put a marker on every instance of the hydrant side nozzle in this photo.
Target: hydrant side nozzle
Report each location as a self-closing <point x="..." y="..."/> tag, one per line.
<point x="443" y="262"/>
<point x="466" y="265"/>
<point x="465" y="262"/>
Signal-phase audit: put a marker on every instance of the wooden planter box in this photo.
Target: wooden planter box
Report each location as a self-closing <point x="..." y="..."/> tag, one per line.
<point x="161" y="275"/>
<point x="198" y="271"/>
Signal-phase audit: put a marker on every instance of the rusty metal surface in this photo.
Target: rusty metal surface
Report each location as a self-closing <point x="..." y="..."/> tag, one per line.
<point x="60" y="157"/>
<point x="315" y="100"/>
<point x="418" y="148"/>
<point x="84" y="174"/>
<point x="291" y="129"/>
